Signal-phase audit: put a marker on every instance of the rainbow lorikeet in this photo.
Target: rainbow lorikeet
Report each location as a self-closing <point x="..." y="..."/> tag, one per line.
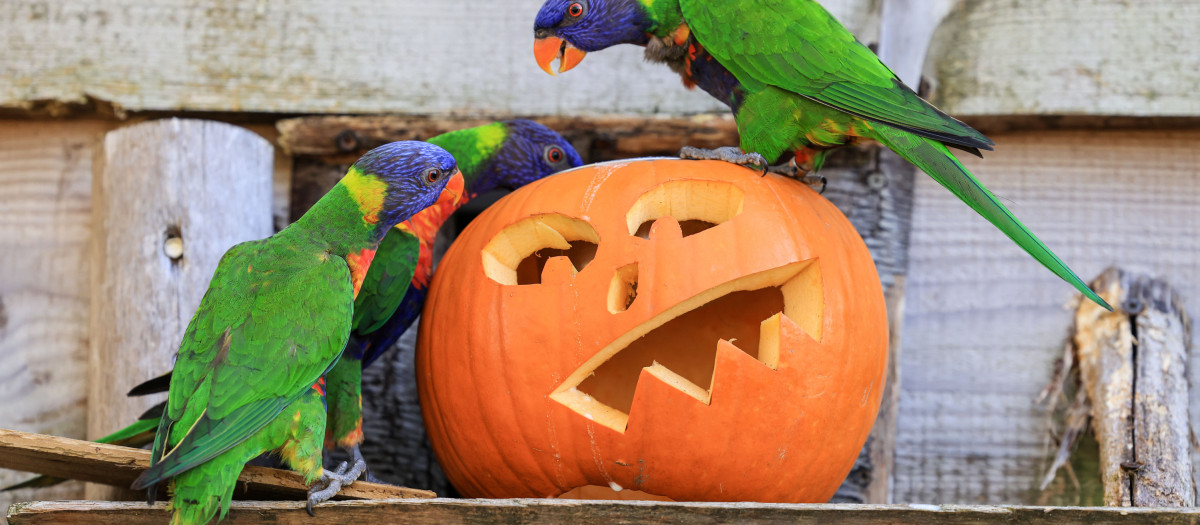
<point x="275" y="319"/>
<point x="506" y="155"/>
<point x="796" y="81"/>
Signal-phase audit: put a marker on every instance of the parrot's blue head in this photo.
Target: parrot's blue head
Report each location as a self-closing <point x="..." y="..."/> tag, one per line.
<point x="399" y="179"/>
<point x="530" y="152"/>
<point x="570" y="29"/>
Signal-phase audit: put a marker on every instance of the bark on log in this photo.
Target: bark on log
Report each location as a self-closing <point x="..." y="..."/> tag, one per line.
<point x="170" y="197"/>
<point x="119" y="466"/>
<point x="538" y="512"/>
<point x="1133" y="364"/>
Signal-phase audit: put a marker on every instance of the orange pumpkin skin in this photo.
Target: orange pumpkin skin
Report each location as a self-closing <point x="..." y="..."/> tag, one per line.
<point x="491" y="355"/>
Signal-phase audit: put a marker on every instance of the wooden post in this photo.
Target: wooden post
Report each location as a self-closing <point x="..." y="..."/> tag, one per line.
<point x="1133" y="363"/>
<point x="170" y="196"/>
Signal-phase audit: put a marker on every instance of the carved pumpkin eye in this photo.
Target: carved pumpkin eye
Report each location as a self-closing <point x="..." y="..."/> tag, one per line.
<point x="554" y="154"/>
<point x="575" y="10"/>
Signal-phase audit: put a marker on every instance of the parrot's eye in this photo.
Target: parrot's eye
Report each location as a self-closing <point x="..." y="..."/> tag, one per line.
<point x="554" y="154"/>
<point x="432" y="175"/>
<point x="575" y="10"/>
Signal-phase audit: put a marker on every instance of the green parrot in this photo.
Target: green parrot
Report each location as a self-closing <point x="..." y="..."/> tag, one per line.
<point x="275" y="319"/>
<point x="795" y="79"/>
<point x="506" y="154"/>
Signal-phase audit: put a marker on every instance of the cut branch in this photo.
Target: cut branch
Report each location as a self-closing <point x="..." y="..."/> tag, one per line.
<point x="119" y="466"/>
<point x="1133" y="366"/>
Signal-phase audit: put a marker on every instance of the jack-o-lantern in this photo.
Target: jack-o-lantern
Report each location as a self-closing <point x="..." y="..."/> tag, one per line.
<point x="664" y="328"/>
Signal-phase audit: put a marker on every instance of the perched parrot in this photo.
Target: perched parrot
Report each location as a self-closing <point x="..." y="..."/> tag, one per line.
<point x="506" y="155"/>
<point x="795" y="79"/>
<point x="275" y="319"/>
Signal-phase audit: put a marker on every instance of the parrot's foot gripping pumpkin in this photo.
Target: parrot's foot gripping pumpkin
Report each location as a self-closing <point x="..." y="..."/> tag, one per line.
<point x="791" y="170"/>
<point x="728" y="154"/>
<point x="332" y="482"/>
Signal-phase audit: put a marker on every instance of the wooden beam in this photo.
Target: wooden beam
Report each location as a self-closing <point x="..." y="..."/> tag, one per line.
<point x="119" y="466"/>
<point x="623" y="136"/>
<point x="1133" y="363"/>
<point x="986" y="63"/>
<point x="537" y="512"/>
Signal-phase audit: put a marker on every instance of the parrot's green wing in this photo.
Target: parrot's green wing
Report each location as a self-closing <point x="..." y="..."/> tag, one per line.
<point x="274" y="319"/>
<point x="796" y="45"/>
<point x="387" y="279"/>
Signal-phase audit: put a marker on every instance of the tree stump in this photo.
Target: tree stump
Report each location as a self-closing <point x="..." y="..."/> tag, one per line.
<point x="170" y="197"/>
<point x="1133" y="364"/>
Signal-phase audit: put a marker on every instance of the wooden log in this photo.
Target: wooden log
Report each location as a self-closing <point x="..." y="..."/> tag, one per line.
<point x="538" y="512"/>
<point x="1133" y="363"/>
<point x="119" y="466"/>
<point x="169" y="198"/>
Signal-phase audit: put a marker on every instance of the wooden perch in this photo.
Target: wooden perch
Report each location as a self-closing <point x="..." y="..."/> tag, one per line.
<point x="115" y="465"/>
<point x="1133" y="364"/>
<point x="538" y="512"/>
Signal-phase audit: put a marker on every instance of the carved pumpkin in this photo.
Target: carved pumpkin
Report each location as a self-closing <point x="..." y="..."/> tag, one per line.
<point x="664" y="328"/>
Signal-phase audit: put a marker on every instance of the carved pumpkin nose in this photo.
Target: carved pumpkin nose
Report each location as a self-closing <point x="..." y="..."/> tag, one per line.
<point x="688" y="330"/>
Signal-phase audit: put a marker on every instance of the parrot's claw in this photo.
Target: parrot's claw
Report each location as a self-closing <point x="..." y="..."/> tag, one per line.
<point x="791" y="170"/>
<point x="332" y="482"/>
<point x="728" y="154"/>
<point x="356" y="455"/>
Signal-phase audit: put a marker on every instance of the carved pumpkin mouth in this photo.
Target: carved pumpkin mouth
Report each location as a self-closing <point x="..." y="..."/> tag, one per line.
<point x="679" y="345"/>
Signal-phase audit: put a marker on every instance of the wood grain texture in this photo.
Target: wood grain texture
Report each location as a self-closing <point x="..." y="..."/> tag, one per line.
<point x="323" y="56"/>
<point x="984" y="322"/>
<point x="1068" y="57"/>
<point x="119" y="466"/>
<point x="45" y="206"/>
<point x="1133" y="363"/>
<point x="536" y="512"/>
<point x="207" y="183"/>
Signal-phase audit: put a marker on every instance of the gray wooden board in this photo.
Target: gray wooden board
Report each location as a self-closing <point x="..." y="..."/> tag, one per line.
<point x="1068" y="57"/>
<point x="323" y="56"/>
<point x="984" y="322"/>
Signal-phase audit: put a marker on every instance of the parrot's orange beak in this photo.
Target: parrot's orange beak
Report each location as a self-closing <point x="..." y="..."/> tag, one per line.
<point x="547" y="49"/>
<point x="454" y="188"/>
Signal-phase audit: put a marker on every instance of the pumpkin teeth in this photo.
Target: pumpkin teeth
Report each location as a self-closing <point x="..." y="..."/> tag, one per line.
<point x="675" y="346"/>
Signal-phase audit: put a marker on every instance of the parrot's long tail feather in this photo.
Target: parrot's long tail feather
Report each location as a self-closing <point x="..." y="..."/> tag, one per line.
<point x="200" y="493"/>
<point x="934" y="159"/>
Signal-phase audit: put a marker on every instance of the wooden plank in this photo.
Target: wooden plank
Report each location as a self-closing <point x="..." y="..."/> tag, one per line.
<point x="119" y="466"/>
<point x="1133" y="364"/>
<point x="45" y="206"/>
<point x="534" y="512"/>
<point x="202" y="184"/>
<point x="321" y="56"/>
<point x="984" y="322"/>
<point x="1029" y="57"/>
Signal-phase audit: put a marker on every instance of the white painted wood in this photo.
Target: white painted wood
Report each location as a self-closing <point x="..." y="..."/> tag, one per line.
<point x="1066" y="57"/>
<point x="323" y="56"/>
<point x="207" y="183"/>
<point x="905" y="31"/>
<point x="45" y="206"/>
<point x="984" y="321"/>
